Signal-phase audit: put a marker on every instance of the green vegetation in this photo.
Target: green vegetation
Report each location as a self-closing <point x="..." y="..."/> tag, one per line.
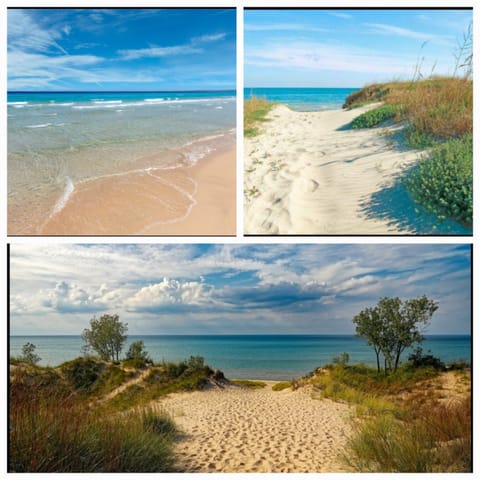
<point x="253" y="384"/>
<point x="54" y="430"/>
<point x="28" y="355"/>
<point x="137" y="357"/>
<point x="255" y="110"/>
<point x="278" y="387"/>
<point x="105" y="336"/>
<point x="394" y="325"/>
<point x="436" y="113"/>
<point x="442" y="181"/>
<point x="402" y="423"/>
<point x="374" y="117"/>
<point x="67" y="419"/>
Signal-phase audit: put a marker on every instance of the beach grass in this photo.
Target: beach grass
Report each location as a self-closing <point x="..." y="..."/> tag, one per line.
<point x="437" y="113"/>
<point x="255" y="109"/>
<point x="88" y="415"/>
<point x="403" y="421"/>
<point x="53" y="430"/>
<point x="253" y="384"/>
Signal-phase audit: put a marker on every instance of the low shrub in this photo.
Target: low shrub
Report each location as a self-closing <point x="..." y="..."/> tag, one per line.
<point x="374" y="117"/>
<point x="281" y="386"/>
<point x="82" y="372"/>
<point x="442" y="181"/>
<point x="253" y="384"/>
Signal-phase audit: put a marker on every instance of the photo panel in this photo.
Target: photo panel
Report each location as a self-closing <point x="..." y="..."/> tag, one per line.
<point x="358" y="121"/>
<point x="121" y="121"/>
<point x="236" y="358"/>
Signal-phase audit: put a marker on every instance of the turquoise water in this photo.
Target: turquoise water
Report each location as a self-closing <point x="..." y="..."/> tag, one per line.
<point x="56" y="140"/>
<point x="303" y="99"/>
<point x="269" y="357"/>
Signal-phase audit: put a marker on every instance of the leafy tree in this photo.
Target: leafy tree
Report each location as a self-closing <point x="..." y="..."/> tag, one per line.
<point x="394" y="325"/>
<point x="136" y="351"/>
<point x="106" y="336"/>
<point x="29" y="355"/>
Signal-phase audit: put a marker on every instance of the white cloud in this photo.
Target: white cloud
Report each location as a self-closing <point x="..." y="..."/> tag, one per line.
<point x="169" y="292"/>
<point x="209" y="38"/>
<point x="283" y="27"/>
<point x="407" y="33"/>
<point x="157" y="52"/>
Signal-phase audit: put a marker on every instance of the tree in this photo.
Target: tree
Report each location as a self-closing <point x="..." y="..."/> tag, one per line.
<point x="394" y="325"/>
<point x="137" y="352"/>
<point x="106" y="336"/>
<point x="29" y="355"/>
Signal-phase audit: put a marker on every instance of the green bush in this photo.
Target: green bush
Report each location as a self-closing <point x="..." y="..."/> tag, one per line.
<point x="442" y="181"/>
<point x="374" y="117"/>
<point x="82" y="372"/>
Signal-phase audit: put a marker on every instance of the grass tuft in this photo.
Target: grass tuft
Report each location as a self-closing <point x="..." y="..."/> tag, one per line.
<point x="255" y="110"/>
<point x="253" y="384"/>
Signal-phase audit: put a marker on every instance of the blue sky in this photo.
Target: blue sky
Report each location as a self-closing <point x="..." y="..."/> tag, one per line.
<point x="222" y="289"/>
<point x="349" y="48"/>
<point x="121" y="49"/>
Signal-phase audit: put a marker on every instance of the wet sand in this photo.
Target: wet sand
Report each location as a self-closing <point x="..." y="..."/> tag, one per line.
<point x="197" y="200"/>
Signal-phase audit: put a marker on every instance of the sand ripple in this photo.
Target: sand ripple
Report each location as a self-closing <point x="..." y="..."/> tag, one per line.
<point x="241" y="430"/>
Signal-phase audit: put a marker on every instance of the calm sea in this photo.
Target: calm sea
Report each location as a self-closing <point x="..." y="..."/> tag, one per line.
<point x="303" y="99"/>
<point x="56" y="140"/>
<point x="269" y="357"/>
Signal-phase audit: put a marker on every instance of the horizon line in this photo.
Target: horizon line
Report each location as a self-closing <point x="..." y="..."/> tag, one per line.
<point x="123" y="91"/>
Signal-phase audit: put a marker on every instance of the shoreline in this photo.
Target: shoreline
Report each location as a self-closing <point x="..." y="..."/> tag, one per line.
<point x="196" y="199"/>
<point x="309" y="173"/>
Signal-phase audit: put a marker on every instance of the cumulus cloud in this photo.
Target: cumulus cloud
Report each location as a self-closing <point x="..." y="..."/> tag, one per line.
<point x="167" y="293"/>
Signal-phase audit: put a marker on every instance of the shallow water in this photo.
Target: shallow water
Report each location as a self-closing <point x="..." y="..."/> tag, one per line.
<point x="57" y="141"/>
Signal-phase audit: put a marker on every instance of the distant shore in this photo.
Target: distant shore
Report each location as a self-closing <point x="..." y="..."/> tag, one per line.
<point x="309" y="173"/>
<point x="196" y="200"/>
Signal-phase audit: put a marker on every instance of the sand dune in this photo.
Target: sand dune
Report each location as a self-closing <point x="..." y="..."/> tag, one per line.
<point x="308" y="173"/>
<point x="236" y="429"/>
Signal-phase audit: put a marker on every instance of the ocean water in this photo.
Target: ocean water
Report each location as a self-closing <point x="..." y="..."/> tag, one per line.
<point x="268" y="357"/>
<point x="303" y="99"/>
<point x="58" y="140"/>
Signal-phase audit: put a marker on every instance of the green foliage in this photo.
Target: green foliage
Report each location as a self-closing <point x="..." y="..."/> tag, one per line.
<point x="394" y="325"/>
<point x="278" y="387"/>
<point x="82" y="373"/>
<point x="137" y="354"/>
<point x="374" y="117"/>
<point x="437" y="439"/>
<point x="59" y="433"/>
<point x="443" y="180"/>
<point x="366" y="95"/>
<point x="341" y="359"/>
<point x="28" y="354"/>
<point x="420" y="359"/>
<point x="254" y="111"/>
<point x="158" y="423"/>
<point x="253" y="384"/>
<point x="419" y="140"/>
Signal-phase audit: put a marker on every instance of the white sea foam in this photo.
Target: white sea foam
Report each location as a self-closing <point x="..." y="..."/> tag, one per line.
<point x="17" y="103"/>
<point x="107" y="102"/>
<point x="69" y="188"/>
<point x="41" y="125"/>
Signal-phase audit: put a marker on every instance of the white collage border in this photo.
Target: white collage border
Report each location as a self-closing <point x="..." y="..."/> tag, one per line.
<point x="239" y="238"/>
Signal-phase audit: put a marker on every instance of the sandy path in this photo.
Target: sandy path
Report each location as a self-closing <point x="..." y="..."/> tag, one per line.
<point x="308" y="173"/>
<point x="241" y="430"/>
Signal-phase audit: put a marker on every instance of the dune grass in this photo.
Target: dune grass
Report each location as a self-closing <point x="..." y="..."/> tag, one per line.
<point x="402" y="423"/>
<point x="53" y="430"/>
<point x="437" y="113"/>
<point x="64" y="420"/>
<point x="253" y="384"/>
<point x="255" y="109"/>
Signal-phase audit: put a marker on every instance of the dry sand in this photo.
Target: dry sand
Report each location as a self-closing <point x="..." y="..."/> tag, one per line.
<point x="308" y="173"/>
<point x="240" y="430"/>
<point x="198" y="200"/>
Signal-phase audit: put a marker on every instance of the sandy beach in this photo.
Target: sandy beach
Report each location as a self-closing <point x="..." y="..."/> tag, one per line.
<point x="309" y="173"/>
<point x="197" y="200"/>
<point x="235" y="429"/>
